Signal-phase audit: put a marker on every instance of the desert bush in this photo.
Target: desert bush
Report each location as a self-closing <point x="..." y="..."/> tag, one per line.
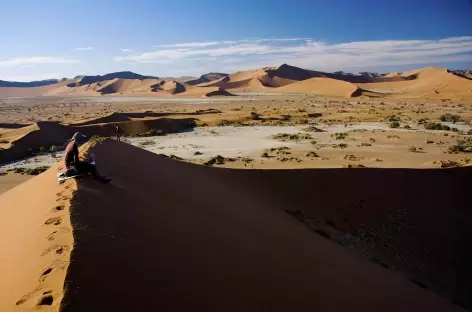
<point x="341" y="145"/>
<point x="461" y="146"/>
<point x="265" y="155"/>
<point x="339" y="136"/>
<point x="42" y="150"/>
<point x="3" y="141"/>
<point x="217" y="160"/>
<point x="148" y="142"/>
<point x="224" y="122"/>
<point x="53" y="148"/>
<point x="406" y="127"/>
<point x="291" y="137"/>
<point x="415" y="149"/>
<point x="422" y="121"/>
<point x="151" y="132"/>
<point x="365" y="144"/>
<point x="172" y="156"/>
<point x="312" y="129"/>
<point x="314" y="115"/>
<point x="394" y="124"/>
<point x="255" y="116"/>
<point x="312" y="154"/>
<point x="393" y="118"/>
<point x="436" y="126"/>
<point x="197" y="153"/>
<point x="246" y="160"/>
<point x="449" y="117"/>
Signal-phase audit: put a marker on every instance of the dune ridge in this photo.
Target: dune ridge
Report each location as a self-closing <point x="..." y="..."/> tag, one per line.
<point x="157" y="228"/>
<point x="424" y="82"/>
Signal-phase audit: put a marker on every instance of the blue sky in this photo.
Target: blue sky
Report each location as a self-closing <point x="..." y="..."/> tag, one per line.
<point x="53" y="39"/>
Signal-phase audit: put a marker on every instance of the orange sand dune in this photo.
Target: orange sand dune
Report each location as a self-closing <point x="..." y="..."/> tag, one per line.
<point x="173" y="87"/>
<point x="205" y="91"/>
<point x="6" y="92"/>
<point x="323" y="86"/>
<point x="36" y="242"/>
<point x="434" y="82"/>
<point x="173" y="236"/>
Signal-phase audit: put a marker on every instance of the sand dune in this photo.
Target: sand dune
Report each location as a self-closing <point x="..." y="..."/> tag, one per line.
<point x="22" y="142"/>
<point x="6" y="92"/>
<point x="36" y="240"/>
<point x="206" y="78"/>
<point x="428" y="82"/>
<point x="324" y="86"/>
<point x="168" y="235"/>
<point x="173" y="87"/>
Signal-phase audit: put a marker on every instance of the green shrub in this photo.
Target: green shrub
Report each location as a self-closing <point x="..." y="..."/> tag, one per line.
<point x="415" y="149"/>
<point x="339" y="136"/>
<point x="291" y="137"/>
<point x="436" y="126"/>
<point x="393" y="118"/>
<point x="312" y="129"/>
<point x="255" y="116"/>
<point x="146" y="143"/>
<point x="218" y="160"/>
<point x="394" y="124"/>
<point x="449" y="117"/>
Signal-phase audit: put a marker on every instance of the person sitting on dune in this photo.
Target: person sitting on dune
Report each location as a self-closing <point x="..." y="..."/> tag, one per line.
<point x="71" y="160"/>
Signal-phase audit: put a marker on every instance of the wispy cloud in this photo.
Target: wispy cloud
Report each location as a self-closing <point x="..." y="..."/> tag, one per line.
<point x="308" y="53"/>
<point x="84" y="49"/>
<point x="190" y="44"/>
<point x="126" y="50"/>
<point x="36" y="60"/>
<point x="30" y="77"/>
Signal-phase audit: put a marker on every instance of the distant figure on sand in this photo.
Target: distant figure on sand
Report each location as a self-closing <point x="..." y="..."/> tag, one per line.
<point x="71" y="159"/>
<point x="117" y="132"/>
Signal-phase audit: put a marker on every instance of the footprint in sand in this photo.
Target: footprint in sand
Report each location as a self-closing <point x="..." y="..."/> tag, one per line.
<point x="45" y="274"/>
<point x="54" y="221"/>
<point x="59" y="249"/>
<point x="63" y="198"/>
<point x="39" y="291"/>
<point x="58" y="208"/>
<point x="46" y="300"/>
<point x="51" y="236"/>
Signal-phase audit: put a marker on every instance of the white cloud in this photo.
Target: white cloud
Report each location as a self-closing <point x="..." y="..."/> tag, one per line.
<point x="36" y="60"/>
<point x="84" y="49"/>
<point x="189" y="44"/>
<point x="30" y="77"/>
<point x="307" y="53"/>
<point x="126" y="50"/>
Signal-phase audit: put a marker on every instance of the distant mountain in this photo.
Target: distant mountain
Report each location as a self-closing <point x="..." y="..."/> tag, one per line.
<point x="466" y="73"/>
<point x="84" y="80"/>
<point x="206" y="78"/>
<point x="28" y="84"/>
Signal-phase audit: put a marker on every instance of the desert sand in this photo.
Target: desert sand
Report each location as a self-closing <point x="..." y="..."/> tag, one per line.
<point x="189" y="237"/>
<point x="427" y="82"/>
<point x="277" y="188"/>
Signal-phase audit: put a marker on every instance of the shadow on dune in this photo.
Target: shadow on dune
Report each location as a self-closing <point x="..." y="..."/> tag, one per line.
<point x="11" y="125"/>
<point x="168" y="235"/>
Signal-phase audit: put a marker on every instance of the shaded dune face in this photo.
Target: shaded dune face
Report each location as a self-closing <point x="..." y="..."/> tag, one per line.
<point x="192" y="237"/>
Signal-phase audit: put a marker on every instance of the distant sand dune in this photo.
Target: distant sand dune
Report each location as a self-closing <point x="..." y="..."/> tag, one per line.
<point x="324" y="86"/>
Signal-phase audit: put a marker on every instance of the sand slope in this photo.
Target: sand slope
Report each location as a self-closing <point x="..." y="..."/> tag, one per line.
<point x="324" y="86"/>
<point x="428" y="82"/>
<point x="36" y="241"/>
<point x="170" y="236"/>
